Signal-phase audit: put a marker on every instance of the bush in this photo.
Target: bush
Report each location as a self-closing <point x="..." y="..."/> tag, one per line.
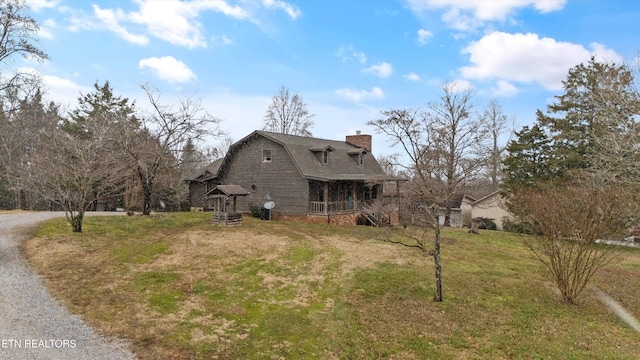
<point x="256" y="211"/>
<point x="484" y="223"/>
<point x="519" y="227"/>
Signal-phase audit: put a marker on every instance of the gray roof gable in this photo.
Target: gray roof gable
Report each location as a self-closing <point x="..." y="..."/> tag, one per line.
<point x="207" y="172"/>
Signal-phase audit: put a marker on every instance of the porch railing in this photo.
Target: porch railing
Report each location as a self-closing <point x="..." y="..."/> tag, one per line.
<point x="334" y="207"/>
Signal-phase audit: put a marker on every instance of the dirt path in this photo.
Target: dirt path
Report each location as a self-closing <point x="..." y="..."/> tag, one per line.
<point x="32" y="324"/>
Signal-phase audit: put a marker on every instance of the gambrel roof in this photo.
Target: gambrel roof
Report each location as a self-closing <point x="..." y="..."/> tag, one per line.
<point x="343" y="161"/>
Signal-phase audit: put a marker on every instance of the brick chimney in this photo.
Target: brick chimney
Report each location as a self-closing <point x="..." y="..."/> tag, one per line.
<point x="360" y="140"/>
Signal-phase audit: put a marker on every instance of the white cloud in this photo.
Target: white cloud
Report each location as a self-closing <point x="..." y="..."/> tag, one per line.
<point x="412" y="77"/>
<point x="46" y="29"/>
<point x="359" y="95"/>
<point x="360" y="56"/>
<point x="111" y="19"/>
<point x="467" y="15"/>
<point x="60" y="90"/>
<point x="424" y="35"/>
<point x="291" y="10"/>
<point x="527" y="58"/>
<point x="504" y="89"/>
<point x="37" y="5"/>
<point x="173" y="21"/>
<point x="222" y="39"/>
<point x="381" y="70"/>
<point x="348" y="52"/>
<point x="458" y="85"/>
<point x="168" y="68"/>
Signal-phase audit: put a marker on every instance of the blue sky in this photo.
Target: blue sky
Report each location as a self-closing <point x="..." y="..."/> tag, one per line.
<point x="348" y="59"/>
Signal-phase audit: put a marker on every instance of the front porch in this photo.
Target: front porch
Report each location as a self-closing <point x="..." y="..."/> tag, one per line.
<point x="340" y="197"/>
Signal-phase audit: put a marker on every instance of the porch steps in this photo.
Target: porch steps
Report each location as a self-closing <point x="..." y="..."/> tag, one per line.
<point x="375" y="215"/>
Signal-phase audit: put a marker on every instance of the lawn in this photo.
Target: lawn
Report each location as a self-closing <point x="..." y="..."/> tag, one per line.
<point x="176" y="286"/>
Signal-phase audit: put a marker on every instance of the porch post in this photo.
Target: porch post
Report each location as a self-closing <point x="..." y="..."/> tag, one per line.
<point x="354" y="196"/>
<point x="326" y="197"/>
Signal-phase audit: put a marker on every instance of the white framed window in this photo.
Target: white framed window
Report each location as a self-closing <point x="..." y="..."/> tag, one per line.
<point x="325" y="157"/>
<point x="266" y="155"/>
<point x="361" y="159"/>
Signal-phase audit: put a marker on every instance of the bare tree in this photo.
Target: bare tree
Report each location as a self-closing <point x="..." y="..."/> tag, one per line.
<point x="288" y="114"/>
<point x="440" y="144"/>
<point x="76" y="171"/>
<point x="20" y="136"/>
<point x="18" y="33"/>
<point x="164" y="133"/>
<point x="495" y="124"/>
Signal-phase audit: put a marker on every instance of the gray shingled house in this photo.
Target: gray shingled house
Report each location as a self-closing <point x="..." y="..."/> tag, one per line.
<point x="325" y="180"/>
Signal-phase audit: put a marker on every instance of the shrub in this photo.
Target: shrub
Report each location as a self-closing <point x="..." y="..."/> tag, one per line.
<point x="256" y="211"/>
<point x="484" y="223"/>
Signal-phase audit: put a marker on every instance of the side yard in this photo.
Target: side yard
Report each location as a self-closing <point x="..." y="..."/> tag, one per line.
<point x="179" y="287"/>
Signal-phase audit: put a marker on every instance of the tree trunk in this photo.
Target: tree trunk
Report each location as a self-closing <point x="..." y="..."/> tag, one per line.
<point x="147" y="189"/>
<point x="76" y="221"/>
<point x="146" y="207"/>
<point x="436" y="258"/>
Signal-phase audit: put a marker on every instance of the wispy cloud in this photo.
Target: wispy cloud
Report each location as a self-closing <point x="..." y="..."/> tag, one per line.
<point x="424" y="35"/>
<point x="291" y="10"/>
<point x="360" y="95"/>
<point x="222" y="39"/>
<point x="382" y="70"/>
<point x="470" y="14"/>
<point x="348" y="52"/>
<point x="173" y="21"/>
<point x="168" y="68"/>
<point x="505" y="89"/>
<point x="412" y="77"/>
<point x="37" y="5"/>
<point x="111" y="19"/>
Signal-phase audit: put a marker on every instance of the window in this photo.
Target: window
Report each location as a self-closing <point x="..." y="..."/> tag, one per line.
<point x="266" y="155"/>
<point x="361" y="159"/>
<point x="325" y="157"/>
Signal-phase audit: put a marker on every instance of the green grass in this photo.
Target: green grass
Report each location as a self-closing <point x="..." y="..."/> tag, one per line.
<point x="177" y="287"/>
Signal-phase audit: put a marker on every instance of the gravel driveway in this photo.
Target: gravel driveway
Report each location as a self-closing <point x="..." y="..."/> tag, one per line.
<point x="32" y="324"/>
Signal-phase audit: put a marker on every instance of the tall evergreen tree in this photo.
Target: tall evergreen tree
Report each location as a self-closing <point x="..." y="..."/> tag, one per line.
<point x="101" y="105"/>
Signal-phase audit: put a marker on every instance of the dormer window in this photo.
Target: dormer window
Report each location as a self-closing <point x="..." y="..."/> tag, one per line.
<point x="358" y="155"/>
<point x="322" y="153"/>
<point x="266" y="156"/>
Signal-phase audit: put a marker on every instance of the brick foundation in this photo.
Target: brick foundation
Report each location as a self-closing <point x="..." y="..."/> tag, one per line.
<point x="337" y="219"/>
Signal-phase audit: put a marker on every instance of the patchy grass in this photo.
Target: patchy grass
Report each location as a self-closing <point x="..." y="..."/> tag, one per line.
<point x="178" y="287"/>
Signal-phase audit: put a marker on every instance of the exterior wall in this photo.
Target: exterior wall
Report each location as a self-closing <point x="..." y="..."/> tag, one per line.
<point x="197" y="195"/>
<point x="455" y="218"/>
<point x="491" y="207"/>
<point x="466" y="210"/>
<point x="278" y="181"/>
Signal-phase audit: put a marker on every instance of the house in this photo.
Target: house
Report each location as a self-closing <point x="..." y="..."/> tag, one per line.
<point x="321" y="180"/>
<point x="461" y="207"/>
<point x="199" y="185"/>
<point x="491" y="206"/>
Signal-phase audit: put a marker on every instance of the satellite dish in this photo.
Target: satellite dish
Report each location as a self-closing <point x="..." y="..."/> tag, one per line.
<point x="269" y="205"/>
